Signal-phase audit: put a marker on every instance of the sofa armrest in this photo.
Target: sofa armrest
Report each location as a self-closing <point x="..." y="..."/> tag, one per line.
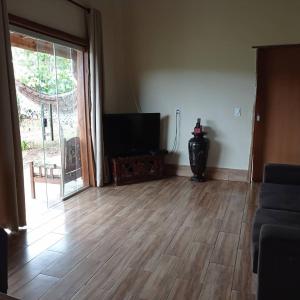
<point x="282" y="174"/>
<point x="279" y="263"/>
<point x="3" y="261"/>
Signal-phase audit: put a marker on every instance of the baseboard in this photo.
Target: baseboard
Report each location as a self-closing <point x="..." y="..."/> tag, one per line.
<point x="212" y="173"/>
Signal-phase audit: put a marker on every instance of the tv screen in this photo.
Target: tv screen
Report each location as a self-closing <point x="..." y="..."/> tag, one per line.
<point x="131" y="134"/>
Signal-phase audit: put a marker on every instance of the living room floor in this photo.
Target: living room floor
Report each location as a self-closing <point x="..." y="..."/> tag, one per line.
<point x="166" y="239"/>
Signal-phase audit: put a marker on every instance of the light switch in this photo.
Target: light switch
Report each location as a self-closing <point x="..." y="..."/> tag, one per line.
<point x="237" y="112"/>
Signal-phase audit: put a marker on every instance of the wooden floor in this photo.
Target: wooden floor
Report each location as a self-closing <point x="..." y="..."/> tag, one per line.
<point x="167" y="239"/>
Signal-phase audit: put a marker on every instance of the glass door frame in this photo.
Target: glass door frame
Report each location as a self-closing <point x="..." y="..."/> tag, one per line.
<point x="21" y="25"/>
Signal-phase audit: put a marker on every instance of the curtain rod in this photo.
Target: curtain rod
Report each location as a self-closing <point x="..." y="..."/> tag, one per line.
<point x="79" y="5"/>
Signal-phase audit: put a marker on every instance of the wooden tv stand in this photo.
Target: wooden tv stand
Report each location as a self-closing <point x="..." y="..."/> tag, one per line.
<point x="140" y="168"/>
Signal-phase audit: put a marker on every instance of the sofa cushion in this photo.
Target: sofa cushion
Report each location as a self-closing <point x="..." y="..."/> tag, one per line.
<point x="280" y="196"/>
<point x="282" y="174"/>
<point x="273" y="217"/>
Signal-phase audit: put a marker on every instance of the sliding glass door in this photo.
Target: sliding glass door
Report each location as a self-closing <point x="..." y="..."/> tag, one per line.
<point x="69" y="65"/>
<point x="49" y="168"/>
<point x="50" y="92"/>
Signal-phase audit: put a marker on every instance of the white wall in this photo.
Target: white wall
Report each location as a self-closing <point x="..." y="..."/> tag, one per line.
<point x="116" y="81"/>
<point x="58" y="14"/>
<point x="196" y="55"/>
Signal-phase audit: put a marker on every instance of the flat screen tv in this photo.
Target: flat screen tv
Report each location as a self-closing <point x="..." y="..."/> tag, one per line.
<point x="131" y="134"/>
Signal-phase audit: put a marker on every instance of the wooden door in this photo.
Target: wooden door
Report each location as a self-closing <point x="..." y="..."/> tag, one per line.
<point x="277" y="111"/>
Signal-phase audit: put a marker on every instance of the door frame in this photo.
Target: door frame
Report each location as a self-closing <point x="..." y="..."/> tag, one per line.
<point x="89" y="167"/>
<point x="257" y="124"/>
<point x="258" y="111"/>
<point x="48" y="31"/>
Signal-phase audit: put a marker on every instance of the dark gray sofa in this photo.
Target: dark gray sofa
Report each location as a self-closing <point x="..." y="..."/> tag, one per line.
<point x="3" y="261"/>
<point x="276" y="234"/>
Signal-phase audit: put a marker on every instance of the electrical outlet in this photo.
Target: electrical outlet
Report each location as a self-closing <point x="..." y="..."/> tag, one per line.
<point x="237" y="112"/>
<point x="178" y="111"/>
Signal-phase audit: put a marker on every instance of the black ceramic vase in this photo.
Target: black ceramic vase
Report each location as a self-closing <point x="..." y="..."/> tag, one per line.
<point x="198" y="152"/>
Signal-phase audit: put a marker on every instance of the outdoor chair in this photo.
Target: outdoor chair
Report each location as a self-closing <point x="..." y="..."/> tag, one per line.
<point x="54" y="174"/>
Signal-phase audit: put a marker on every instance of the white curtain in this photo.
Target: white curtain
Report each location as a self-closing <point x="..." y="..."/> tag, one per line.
<point x="96" y="92"/>
<point x="12" y="199"/>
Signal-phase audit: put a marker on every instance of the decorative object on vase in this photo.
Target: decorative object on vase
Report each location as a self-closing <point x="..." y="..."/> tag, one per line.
<point x="198" y="152"/>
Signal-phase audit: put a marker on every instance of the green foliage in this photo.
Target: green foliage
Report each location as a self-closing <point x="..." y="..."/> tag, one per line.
<point x="25" y="145"/>
<point x="41" y="71"/>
